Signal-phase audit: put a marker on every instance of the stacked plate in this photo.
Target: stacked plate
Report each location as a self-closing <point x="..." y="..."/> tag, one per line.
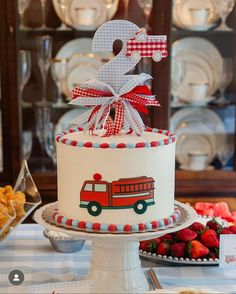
<point x="82" y="65"/>
<point x="200" y="15"/>
<point x="198" y="130"/>
<point x="85" y="14"/>
<point x="202" y="65"/>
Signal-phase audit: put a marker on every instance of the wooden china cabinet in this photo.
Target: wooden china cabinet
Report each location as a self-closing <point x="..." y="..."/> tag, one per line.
<point x="214" y="185"/>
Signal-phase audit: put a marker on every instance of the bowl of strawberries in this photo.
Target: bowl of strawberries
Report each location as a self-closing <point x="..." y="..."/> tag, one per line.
<point x="197" y="244"/>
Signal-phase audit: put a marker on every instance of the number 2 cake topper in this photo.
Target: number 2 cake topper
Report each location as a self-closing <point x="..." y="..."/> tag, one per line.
<point x="114" y="88"/>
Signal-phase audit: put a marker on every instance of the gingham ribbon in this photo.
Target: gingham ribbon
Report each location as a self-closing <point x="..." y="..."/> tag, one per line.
<point x="101" y="97"/>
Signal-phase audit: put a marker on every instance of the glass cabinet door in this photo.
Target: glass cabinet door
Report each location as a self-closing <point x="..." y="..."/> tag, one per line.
<point x="203" y="84"/>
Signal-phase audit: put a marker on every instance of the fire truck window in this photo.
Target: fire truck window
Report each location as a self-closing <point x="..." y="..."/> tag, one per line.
<point x="126" y="188"/>
<point x="132" y="188"/>
<point x="122" y="188"/>
<point x="100" y="187"/>
<point x="144" y="186"/>
<point x="88" y="187"/>
<point x="136" y="187"/>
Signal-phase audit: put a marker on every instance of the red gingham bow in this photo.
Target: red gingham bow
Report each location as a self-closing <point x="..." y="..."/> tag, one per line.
<point x="139" y="98"/>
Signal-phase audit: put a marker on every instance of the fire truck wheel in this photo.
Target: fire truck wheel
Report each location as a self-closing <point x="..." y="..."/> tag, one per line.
<point x="140" y="206"/>
<point x="157" y="56"/>
<point x="94" y="208"/>
<point x="136" y="56"/>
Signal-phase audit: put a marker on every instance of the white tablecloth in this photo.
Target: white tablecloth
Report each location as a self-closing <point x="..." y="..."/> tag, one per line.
<point x="27" y="250"/>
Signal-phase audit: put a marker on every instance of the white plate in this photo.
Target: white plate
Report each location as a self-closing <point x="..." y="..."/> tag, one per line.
<point x="182" y="15"/>
<point x="65" y="120"/>
<point x="197" y="69"/>
<point x="206" y="50"/>
<point x="169" y="260"/>
<point x="213" y="126"/>
<point x="81" y="68"/>
<point x="194" y="136"/>
<point x="190" y="143"/>
<point x="80" y="45"/>
<point x="79" y="75"/>
<point x="98" y="4"/>
<point x="194" y="73"/>
<point x="202" y="102"/>
<point x="208" y="168"/>
<point x="77" y="51"/>
<point x="204" y="27"/>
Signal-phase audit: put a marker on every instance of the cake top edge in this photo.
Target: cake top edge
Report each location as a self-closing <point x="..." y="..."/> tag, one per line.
<point x="151" y="138"/>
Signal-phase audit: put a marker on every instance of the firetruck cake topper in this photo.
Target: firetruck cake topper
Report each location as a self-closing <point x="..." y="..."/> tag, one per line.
<point x="114" y="89"/>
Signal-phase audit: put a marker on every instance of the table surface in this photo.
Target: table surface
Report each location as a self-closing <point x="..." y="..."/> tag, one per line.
<point x="27" y="250"/>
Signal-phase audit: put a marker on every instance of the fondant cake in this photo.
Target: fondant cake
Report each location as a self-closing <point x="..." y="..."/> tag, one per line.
<point x="118" y="180"/>
<point x="116" y="175"/>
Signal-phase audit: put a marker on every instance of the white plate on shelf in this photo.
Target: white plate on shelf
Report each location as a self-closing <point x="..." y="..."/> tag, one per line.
<point x="208" y="168"/>
<point x="204" y="48"/>
<point x="100" y="15"/>
<point x="212" y="124"/>
<point x="202" y="102"/>
<point x="182" y="15"/>
<point x="197" y="69"/>
<point x="193" y="142"/>
<point x="79" y="75"/>
<point x="65" y="121"/>
<point x="204" y="27"/>
<point x="81" y="68"/>
<point x="80" y="45"/>
<point x="80" y="51"/>
<point x="194" y="136"/>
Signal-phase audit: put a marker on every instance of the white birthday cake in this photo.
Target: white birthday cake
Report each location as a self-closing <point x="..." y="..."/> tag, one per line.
<point x="116" y="175"/>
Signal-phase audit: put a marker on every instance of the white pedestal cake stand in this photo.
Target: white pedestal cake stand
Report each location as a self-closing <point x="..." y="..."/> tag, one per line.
<point x="115" y="265"/>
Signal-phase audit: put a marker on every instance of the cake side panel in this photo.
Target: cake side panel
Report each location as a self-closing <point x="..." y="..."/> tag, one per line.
<point x="77" y="165"/>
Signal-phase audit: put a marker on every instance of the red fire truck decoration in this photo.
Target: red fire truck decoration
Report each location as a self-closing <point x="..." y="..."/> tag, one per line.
<point x="136" y="193"/>
<point x="144" y="45"/>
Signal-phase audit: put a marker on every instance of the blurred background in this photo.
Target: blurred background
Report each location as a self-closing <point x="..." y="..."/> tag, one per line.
<point x="46" y="52"/>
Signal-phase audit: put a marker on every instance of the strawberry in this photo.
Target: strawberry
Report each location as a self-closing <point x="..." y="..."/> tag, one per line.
<point x="148" y="246"/>
<point x="197" y="227"/>
<point x="178" y="249"/>
<point x="214" y="253"/>
<point x="163" y="248"/>
<point x="226" y="231"/>
<point x="214" y="225"/>
<point x="196" y="249"/>
<point x="169" y="237"/>
<point x="232" y="229"/>
<point x="157" y="240"/>
<point x="144" y="245"/>
<point x="229" y="219"/>
<point x="186" y="235"/>
<point x="210" y="238"/>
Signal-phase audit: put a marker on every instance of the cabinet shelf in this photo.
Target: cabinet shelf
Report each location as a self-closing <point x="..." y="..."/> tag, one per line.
<point x="210" y="105"/>
<point x="57" y="33"/>
<point x="181" y="33"/>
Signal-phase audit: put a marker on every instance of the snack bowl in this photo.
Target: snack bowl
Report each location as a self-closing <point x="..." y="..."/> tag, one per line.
<point x="17" y="203"/>
<point x="62" y="242"/>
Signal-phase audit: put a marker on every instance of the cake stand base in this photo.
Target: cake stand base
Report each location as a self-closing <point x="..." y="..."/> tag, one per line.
<point x="116" y="267"/>
<point x="115" y="264"/>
